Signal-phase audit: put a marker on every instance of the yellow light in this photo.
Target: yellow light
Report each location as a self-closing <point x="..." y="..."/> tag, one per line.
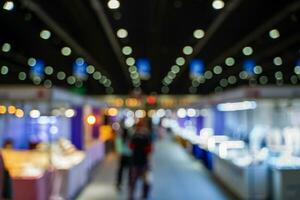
<point x="91" y="120"/>
<point x="11" y="109"/>
<point x="150" y="113"/>
<point x="2" y="109"/>
<point x="19" y="113"/>
<point x="112" y="112"/>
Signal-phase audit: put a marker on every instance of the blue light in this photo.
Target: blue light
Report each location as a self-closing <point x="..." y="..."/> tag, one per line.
<point x="197" y="68"/>
<point x="79" y="68"/>
<point x="144" y="68"/>
<point x="37" y="69"/>
<point x="249" y="65"/>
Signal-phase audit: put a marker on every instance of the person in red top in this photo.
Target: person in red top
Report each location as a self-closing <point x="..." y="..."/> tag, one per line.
<point x="141" y="146"/>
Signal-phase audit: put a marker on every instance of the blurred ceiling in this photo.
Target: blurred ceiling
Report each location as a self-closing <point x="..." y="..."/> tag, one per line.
<point x="223" y="36"/>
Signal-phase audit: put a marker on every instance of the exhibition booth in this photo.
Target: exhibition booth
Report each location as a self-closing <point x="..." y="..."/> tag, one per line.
<point x="248" y="137"/>
<point x="48" y="145"/>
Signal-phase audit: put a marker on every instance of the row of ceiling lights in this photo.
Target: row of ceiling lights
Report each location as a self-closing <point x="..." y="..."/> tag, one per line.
<point x="61" y="75"/>
<point x="126" y="50"/>
<point x="230" y="61"/>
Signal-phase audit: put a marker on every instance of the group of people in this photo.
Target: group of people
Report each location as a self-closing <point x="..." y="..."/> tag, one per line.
<point x="135" y="148"/>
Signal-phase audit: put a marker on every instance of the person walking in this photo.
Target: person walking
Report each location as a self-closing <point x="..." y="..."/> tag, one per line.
<point x="141" y="147"/>
<point x="122" y="148"/>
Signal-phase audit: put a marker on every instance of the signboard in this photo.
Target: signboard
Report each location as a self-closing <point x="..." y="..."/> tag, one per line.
<point x="197" y="68"/>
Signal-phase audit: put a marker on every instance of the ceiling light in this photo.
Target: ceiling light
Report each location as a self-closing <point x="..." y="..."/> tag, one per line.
<point x="48" y="70"/>
<point x="297" y="70"/>
<point x="257" y="69"/>
<point x="31" y="62"/>
<point x="187" y="50"/>
<point x="61" y="75"/>
<point x="199" y="33"/>
<point x="90" y="69"/>
<point x="263" y="80"/>
<point x="79" y="61"/>
<point x="22" y="76"/>
<point x="109" y="90"/>
<point x="4" y="70"/>
<point x="71" y="80"/>
<point x="175" y="69"/>
<point x="47" y="83"/>
<point x="279" y="75"/>
<point x="45" y="34"/>
<point x="122" y="33"/>
<point x="274" y="34"/>
<point x="97" y="75"/>
<point x="132" y="69"/>
<point x="37" y="80"/>
<point x="127" y="50"/>
<point x="247" y="51"/>
<point x="113" y="4"/>
<point x="232" y="80"/>
<point x="217" y="69"/>
<point x="180" y="61"/>
<point x="218" y="4"/>
<point x="229" y="61"/>
<point x="66" y="51"/>
<point x="6" y="47"/>
<point x="277" y="61"/>
<point x="223" y="82"/>
<point x="8" y="5"/>
<point x="243" y="75"/>
<point x="208" y="75"/>
<point x="130" y="61"/>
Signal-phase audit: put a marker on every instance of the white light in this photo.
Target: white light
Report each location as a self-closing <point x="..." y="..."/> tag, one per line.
<point x="258" y="69"/>
<point x="4" y="70"/>
<point x="274" y="34"/>
<point x="48" y="70"/>
<point x="247" y="51"/>
<point x="199" y="33"/>
<point x="277" y="61"/>
<point x="31" y="62"/>
<point x="232" y="79"/>
<point x="66" y="51"/>
<point x="217" y="69"/>
<point x="70" y="113"/>
<point x="244" y="105"/>
<point x="208" y="75"/>
<point x="97" y="75"/>
<point x="263" y="80"/>
<point x="224" y="146"/>
<point x="22" y="76"/>
<point x="187" y="50"/>
<point x="71" y="80"/>
<point x="6" y="47"/>
<point x="45" y="34"/>
<point x="90" y="69"/>
<point x="181" y="113"/>
<point x="160" y="113"/>
<point x="113" y="4"/>
<point x="8" y="5"/>
<point x="61" y="75"/>
<point x="53" y="130"/>
<point x="48" y="83"/>
<point x="122" y="33"/>
<point x="218" y="4"/>
<point x="297" y="70"/>
<point x="175" y="69"/>
<point x="130" y="61"/>
<point x="180" y="61"/>
<point x="191" y="112"/>
<point x="140" y="114"/>
<point x="127" y="50"/>
<point x="229" y="61"/>
<point x="34" y="113"/>
<point x="79" y="61"/>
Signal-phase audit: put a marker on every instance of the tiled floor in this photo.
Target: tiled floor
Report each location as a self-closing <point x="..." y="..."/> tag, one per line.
<point x="176" y="176"/>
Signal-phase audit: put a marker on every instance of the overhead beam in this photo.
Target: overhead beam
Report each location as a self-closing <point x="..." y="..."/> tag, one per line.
<point x="102" y="18"/>
<point x="57" y="29"/>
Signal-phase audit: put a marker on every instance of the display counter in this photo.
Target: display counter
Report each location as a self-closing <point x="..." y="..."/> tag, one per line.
<point x="246" y="181"/>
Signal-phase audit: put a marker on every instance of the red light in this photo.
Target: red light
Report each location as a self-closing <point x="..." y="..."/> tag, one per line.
<point x="151" y="100"/>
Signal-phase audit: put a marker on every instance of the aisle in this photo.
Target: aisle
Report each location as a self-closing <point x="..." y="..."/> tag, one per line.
<point x="176" y="176"/>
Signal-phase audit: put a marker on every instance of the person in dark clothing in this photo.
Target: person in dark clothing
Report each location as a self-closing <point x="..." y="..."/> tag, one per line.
<point x="122" y="147"/>
<point x="141" y="147"/>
